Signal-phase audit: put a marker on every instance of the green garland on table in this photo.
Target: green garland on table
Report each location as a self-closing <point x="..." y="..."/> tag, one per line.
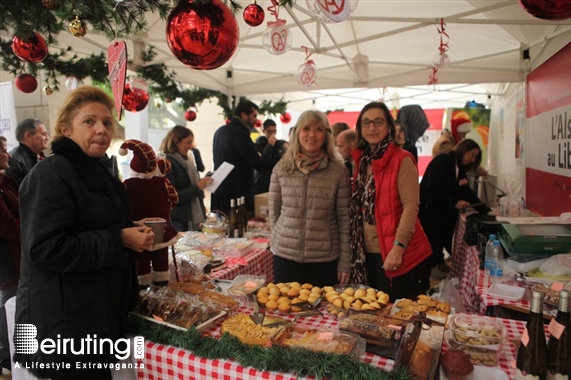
<point x="299" y="361"/>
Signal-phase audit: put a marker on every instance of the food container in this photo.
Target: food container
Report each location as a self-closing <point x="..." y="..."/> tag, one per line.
<point x="320" y="339"/>
<point x="478" y="332"/>
<point x="245" y="284"/>
<point x="478" y="354"/>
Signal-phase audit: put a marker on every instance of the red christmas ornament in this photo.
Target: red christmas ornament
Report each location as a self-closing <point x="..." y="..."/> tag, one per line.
<point x="227" y="121"/>
<point x="254" y="14"/>
<point x="202" y="35"/>
<point x="547" y="9"/>
<point x="31" y="49"/>
<point x="135" y="99"/>
<point x="190" y="115"/>
<point x="285" y="118"/>
<point x="26" y="83"/>
<point x="258" y="123"/>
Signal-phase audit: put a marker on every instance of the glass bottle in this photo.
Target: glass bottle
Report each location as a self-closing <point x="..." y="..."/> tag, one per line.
<point x="531" y="360"/>
<point x="244" y="214"/>
<point x="239" y="219"/>
<point x="232" y="232"/>
<point x="559" y="349"/>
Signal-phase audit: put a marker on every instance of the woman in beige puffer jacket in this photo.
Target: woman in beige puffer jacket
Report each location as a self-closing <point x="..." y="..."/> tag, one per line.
<point x="309" y="207"/>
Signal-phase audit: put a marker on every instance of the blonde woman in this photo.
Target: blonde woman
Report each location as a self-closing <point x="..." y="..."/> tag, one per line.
<point x="309" y="207"/>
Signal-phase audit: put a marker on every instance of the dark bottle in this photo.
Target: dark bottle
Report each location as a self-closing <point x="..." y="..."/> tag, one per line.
<point x="239" y="219"/>
<point x="244" y="213"/>
<point x="559" y="350"/>
<point x="531" y="360"/>
<point x="232" y="223"/>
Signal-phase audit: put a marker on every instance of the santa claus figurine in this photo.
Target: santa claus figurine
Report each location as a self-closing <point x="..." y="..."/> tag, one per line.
<point x="152" y="198"/>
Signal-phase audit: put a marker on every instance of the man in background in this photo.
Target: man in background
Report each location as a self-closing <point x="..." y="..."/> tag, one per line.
<point x="232" y="144"/>
<point x="33" y="138"/>
<point x="269" y="128"/>
<point x="400" y="137"/>
<point x="337" y="128"/>
<point x="346" y="141"/>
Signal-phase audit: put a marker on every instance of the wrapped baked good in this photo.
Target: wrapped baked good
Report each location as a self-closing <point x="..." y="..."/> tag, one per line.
<point x="456" y="365"/>
<point x="420" y="347"/>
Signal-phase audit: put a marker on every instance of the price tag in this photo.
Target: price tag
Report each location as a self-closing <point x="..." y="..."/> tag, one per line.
<point x="525" y="337"/>
<point x="557" y="286"/>
<point x="250" y="284"/>
<point x="512" y="363"/>
<point x="555" y="328"/>
<point x="158" y="318"/>
<point x="325" y="335"/>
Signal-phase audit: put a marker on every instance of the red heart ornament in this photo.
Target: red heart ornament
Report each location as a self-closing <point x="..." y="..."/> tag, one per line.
<point x="117" y="65"/>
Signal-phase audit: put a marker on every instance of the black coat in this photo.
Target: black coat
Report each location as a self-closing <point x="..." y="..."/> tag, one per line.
<point x="76" y="277"/>
<point x="21" y="162"/>
<point x="232" y="143"/>
<point x="186" y="190"/>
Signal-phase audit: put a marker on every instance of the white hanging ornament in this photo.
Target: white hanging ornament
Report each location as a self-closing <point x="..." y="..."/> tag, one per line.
<point x="440" y="60"/>
<point x="332" y="10"/>
<point x="71" y="82"/>
<point x="277" y="38"/>
<point x="307" y="74"/>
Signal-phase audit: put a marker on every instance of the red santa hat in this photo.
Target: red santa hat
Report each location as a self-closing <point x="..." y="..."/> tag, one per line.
<point x="144" y="159"/>
<point x="460" y="125"/>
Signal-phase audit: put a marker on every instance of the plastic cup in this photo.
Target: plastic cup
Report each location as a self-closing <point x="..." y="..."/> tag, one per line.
<point x="158" y="226"/>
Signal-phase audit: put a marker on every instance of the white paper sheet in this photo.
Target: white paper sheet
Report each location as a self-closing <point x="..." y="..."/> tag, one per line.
<point x="219" y="175"/>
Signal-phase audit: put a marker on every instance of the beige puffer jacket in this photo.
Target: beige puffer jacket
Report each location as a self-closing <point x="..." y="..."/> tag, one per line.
<point x="309" y="214"/>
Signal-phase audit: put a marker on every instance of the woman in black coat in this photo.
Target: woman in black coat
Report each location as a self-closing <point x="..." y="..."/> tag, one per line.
<point x="444" y="191"/>
<point x="79" y="243"/>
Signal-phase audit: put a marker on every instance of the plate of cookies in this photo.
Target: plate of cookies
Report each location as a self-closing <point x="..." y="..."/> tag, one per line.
<point x="289" y="297"/>
<point x="434" y="309"/>
<point x="343" y="299"/>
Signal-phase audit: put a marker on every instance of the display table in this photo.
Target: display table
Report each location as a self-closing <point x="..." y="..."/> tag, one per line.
<point x="163" y="362"/>
<point x="257" y="262"/>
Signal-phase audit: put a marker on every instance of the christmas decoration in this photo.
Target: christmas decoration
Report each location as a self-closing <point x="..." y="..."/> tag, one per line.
<point x="117" y="66"/>
<point x="190" y="115"/>
<point x="258" y="123"/>
<point x="77" y="27"/>
<point x="158" y="104"/>
<point x="127" y="3"/>
<point x="547" y="9"/>
<point x="48" y="90"/>
<point x="71" y="82"/>
<point x="202" y="36"/>
<point x="285" y="118"/>
<point x="441" y="59"/>
<point x="277" y="39"/>
<point x="31" y="49"/>
<point x="134" y="99"/>
<point x="26" y="83"/>
<point x="307" y="71"/>
<point x="49" y="4"/>
<point x="254" y="14"/>
<point x="332" y="10"/>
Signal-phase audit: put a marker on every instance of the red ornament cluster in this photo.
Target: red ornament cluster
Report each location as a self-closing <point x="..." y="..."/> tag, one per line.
<point x="202" y="36"/>
<point x="547" y="9"/>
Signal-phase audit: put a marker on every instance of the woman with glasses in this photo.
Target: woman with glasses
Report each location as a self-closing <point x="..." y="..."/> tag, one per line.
<point x="309" y="207"/>
<point x="444" y="191"/>
<point x="390" y="251"/>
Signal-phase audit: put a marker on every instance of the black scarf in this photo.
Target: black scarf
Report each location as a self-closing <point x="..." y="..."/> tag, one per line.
<point x="363" y="209"/>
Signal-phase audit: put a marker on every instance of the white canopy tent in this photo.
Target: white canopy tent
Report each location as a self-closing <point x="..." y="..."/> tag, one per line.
<point x="398" y="38"/>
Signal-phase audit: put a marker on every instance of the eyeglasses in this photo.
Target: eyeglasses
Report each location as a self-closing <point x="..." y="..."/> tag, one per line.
<point x="378" y="122"/>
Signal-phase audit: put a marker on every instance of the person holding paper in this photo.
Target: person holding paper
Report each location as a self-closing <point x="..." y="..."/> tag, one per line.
<point x="309" y="207"/>
<point x="190" y="212"/>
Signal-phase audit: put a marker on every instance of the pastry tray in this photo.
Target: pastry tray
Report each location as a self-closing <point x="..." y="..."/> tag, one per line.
<point x="200" y="328"/>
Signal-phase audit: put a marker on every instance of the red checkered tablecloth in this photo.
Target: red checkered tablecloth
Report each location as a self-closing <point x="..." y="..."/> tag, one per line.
<point x="258" y="262"/>
<point x="484" y="283"/>
<point x="166" y="362"/>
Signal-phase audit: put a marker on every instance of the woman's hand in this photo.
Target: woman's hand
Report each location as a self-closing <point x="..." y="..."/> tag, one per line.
<point x="205" y="182"/>
<point x="461" y="205"/>
<point x="394" y="258"/>
<point x="343" y="278"/>
<point x="137" y="238"/>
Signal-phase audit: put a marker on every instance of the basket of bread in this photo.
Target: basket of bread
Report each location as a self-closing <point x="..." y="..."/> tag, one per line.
<point x="345" y="298"/>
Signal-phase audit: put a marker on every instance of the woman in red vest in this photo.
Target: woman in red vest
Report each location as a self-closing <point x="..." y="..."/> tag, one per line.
<point x="390" y="251"/>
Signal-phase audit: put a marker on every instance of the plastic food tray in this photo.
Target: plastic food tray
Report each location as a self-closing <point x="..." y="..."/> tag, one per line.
<point x="508" y="292"/>
<point x="200" y="328"/>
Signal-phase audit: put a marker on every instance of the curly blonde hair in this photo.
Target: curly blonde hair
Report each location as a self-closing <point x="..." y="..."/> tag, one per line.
<point x="312" y="117"/>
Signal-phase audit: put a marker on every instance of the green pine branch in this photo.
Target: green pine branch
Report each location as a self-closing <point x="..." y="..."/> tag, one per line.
<point x="300" y="361"/>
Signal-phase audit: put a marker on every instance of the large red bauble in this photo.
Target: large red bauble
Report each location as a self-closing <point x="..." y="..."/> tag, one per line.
<point x="547" y="9"/>
<point x="135" y="99"/>
<point x="190" y="115"/>
<point x="202" y="36"/>
<point x="31" y="49"/>
<point x="285" y="118"/>
<point x="254" y="15"/>
<point x="26" y="83"/>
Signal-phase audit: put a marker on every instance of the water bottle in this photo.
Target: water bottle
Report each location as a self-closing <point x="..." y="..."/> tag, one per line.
<point x="497" y="262"/>
<point x="488" y="252"/>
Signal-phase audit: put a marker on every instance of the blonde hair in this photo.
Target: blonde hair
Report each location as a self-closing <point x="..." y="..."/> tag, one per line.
<point x="77" y="99"/>
<point x="312" y="117"/>
<point x="173" y="137"/>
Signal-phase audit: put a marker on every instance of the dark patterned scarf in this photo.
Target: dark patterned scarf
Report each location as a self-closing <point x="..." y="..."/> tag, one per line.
<point x="308" y="164"/>
<point x="363" y="209"/>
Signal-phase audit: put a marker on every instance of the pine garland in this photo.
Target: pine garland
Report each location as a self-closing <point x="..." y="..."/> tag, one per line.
<point x="300" y="361"/>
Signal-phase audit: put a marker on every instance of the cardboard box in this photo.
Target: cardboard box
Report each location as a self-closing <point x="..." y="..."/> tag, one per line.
<point x="261" y="205"/>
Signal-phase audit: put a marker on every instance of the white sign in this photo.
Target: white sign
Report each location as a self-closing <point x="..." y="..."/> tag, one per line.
<point x="8" y="121"/>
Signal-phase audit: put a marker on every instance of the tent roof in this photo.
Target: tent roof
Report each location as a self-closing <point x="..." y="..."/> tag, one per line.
<point x="399" y="38"/>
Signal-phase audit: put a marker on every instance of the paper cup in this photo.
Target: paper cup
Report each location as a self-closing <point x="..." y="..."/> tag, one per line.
<point x="158" y="226"/>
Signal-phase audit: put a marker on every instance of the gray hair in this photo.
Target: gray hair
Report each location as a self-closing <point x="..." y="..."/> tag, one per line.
<point x="25" y="126"/>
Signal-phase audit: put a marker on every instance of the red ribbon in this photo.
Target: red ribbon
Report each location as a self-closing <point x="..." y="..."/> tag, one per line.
<point x="274" y="10"/>
<point x="307" y="53"/>
<point x="442" y="31"/>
